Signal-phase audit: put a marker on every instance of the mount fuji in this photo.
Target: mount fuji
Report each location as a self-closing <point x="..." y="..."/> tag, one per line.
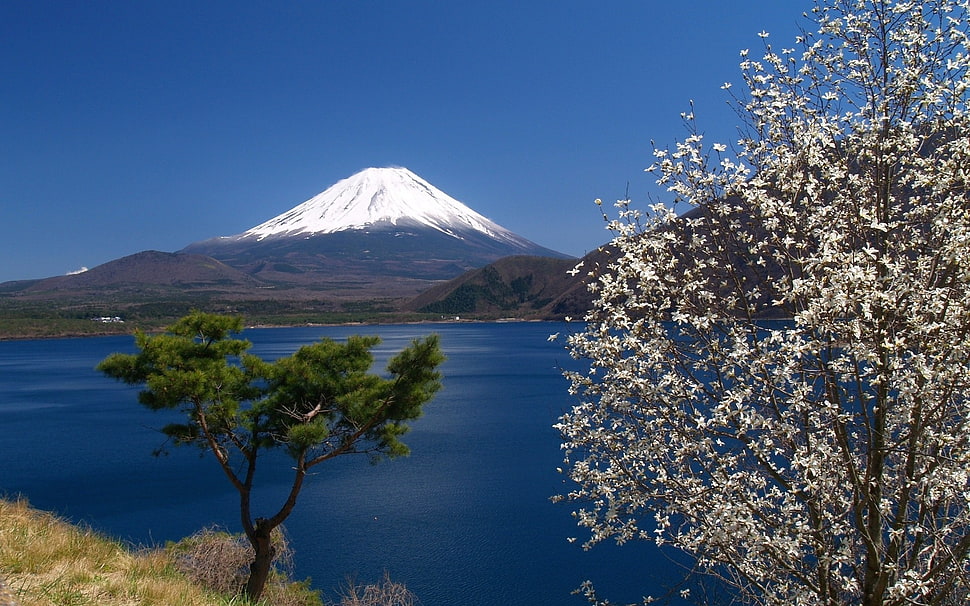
<point x="382" y="229"/>
<point x="381" y="197"/>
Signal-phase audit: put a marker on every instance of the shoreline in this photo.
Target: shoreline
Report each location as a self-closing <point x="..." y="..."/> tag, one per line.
<point x="257" y="326"/>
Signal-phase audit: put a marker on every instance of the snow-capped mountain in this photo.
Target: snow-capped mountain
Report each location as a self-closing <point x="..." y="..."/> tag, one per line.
<point x="381" y="198"/>
<point x="381" y="226"/>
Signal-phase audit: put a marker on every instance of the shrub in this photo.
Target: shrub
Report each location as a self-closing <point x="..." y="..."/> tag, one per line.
<point x="219" y="561"/>
<point x="384" y="593"/>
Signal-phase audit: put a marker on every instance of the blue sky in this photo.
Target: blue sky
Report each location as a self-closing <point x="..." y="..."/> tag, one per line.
<point x="130" y="126"/>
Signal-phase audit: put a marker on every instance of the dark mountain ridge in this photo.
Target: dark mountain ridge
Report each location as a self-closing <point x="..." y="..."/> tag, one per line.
<point x="536" y="288"/>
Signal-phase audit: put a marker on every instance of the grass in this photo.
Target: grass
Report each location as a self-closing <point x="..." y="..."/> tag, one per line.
<point x="46" y="561"/>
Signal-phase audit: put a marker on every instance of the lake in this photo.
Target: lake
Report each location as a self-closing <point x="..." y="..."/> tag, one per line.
<point x="466" y="519"/>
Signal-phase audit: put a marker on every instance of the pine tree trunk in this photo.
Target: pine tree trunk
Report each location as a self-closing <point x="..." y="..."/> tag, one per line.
<point x="262" y="562"/>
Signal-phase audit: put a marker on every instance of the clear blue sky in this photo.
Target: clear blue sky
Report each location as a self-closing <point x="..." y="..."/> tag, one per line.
<point x="128" y="126"/>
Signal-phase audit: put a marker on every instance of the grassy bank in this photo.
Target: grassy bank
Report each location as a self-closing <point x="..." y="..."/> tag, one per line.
<point x="45" y="561"/>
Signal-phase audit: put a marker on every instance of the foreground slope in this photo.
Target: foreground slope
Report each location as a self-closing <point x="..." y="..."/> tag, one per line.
<point x="45" y="560"/>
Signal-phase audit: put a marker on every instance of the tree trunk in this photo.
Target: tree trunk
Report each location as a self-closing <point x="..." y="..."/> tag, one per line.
<point x="263" y="560"/>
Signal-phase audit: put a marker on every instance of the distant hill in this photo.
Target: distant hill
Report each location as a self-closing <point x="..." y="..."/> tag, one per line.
<point x="150" y="269"/>
<point x="519" y="286"/>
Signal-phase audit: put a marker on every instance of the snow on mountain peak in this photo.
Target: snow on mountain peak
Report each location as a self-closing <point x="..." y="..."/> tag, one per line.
<point x="378" y="197"/>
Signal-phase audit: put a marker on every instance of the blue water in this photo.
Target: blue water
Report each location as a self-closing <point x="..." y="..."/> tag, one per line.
<point x="466" y="519"/>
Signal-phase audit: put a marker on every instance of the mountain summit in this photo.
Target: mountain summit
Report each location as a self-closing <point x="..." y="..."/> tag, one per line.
<point x="383" y="230"/>
<point x="380" y="198"/>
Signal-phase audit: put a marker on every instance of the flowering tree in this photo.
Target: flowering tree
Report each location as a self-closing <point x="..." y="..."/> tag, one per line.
<point x="778" y="380"/>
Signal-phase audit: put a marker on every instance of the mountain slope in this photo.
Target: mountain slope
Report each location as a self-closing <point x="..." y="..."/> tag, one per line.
<point x="151" y="268"/>
<point x="539" y="288"/>
<point x="380" y="227"/>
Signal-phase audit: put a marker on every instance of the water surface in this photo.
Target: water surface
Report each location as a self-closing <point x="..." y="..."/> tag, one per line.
<point x="466" y="519"/>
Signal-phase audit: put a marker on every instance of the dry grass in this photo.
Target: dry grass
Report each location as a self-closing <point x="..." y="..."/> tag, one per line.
<point x="46" y="561"/>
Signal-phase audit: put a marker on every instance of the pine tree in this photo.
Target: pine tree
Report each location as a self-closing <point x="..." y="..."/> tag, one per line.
<point x="317" y="404"/>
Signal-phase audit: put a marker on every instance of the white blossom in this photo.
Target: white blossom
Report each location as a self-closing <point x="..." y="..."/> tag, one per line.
<point x="777" y="382"/>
